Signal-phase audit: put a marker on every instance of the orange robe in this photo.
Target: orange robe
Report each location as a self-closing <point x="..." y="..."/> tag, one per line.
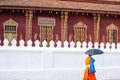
<point x="87" y="75"/>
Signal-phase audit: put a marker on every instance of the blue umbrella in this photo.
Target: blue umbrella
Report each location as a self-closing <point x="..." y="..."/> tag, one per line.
<point x="94" y="52"/>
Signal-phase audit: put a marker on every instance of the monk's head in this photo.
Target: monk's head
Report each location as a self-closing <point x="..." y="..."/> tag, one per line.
<point x="90" y="55"/>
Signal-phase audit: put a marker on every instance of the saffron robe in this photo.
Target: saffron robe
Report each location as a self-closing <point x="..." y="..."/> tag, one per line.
<point x="87" y="74"/>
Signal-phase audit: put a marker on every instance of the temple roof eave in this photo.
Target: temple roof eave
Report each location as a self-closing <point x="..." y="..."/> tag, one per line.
<point x="64" y="6"/>
<point x="59" y="9"/>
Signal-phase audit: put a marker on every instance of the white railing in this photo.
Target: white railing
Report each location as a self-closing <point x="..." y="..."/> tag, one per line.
<point x="66" y="44"/>
<point x="56" y="62"/>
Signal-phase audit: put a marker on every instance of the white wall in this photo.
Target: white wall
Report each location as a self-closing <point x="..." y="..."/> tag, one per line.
<point x="41" y="63"/>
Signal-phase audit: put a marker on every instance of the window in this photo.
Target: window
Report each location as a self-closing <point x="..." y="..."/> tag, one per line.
<point x="46" y="28"/>
<point x="10" y="30"/>
<point x="46" y="33"/>
<point x="112" y="33"/>
<point x="80" y="30"/>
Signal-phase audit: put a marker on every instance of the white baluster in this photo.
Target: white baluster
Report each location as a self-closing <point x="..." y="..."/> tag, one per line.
<point x="113" y="46"/>
<point x="96" y="45"/>
<point x="84" y="45"/>
<point x="37" y="43"/>
<point x="14" y="42"/>
<point x="118" y="46"/>
<point x="72" y="44"/>
<point x="29" y="43"/>
<point x="44" y="43"/>
<point x="90" y="45"/>
<point x="107" y="45"/>
<point x="52" y="44"/>
<point x="66" y="44"/>
<point x="59" y="44"/>
<point x="6" y="42"/>
<point x="102" y="45"/>
<point x="21" y="42"/>
<point x="78" y="44"/>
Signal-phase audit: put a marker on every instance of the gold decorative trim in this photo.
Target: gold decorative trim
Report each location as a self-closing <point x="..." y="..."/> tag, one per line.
<point x="112" y="26"/>
<point x="80" y="24"/>
<point x="10" y="22"/>
<point x="96" y="27"/>
<point x="29" y="15"/>
<point x="64" y="20"/>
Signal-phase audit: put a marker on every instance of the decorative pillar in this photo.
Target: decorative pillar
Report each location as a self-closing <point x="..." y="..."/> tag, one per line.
<point x="64" y="17"/>
<point x="65" y="24"/>
<point x="96" y="27"/>
<point x="62" y="26"/>
<point x="29" y="15"/>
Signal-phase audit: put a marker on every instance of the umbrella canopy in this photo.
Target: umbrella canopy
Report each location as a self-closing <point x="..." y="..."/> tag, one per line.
<point x="94" y="52"/>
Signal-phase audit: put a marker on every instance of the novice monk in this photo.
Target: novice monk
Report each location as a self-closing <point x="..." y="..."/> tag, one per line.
<point x="89" y="73"/>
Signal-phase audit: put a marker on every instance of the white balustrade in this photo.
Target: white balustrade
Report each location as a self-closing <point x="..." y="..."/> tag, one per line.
<point x="66" y="44"/>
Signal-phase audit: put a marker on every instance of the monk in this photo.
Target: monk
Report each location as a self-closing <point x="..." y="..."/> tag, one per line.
<point x="89" y="73"/>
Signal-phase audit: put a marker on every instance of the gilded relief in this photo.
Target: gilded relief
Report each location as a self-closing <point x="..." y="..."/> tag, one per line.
<point x="80" y="31"/>
<point x="112" y="33"/>
<point x="10" y="30"/>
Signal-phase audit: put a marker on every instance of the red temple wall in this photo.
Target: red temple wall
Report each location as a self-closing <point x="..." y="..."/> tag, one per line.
<point x="73" y="18"/>
<point x="35" y="27"/>
<point x="18" y="17"/>
<point x="105" y="21"/>
<point x="57" y="28"/>
<point x="86" y="19"/>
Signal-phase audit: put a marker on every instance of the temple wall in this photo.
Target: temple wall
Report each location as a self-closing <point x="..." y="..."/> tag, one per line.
<point x="73" y="18"/>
